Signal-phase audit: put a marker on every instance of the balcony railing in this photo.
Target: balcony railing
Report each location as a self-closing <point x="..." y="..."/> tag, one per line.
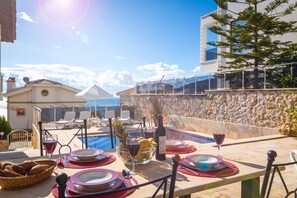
<point x="278" y="76"/>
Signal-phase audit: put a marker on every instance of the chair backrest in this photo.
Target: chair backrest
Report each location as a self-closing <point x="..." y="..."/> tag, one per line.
<point x="109" y="114"/>
<point x="69" y="115"/>
<point x="271" y="169"/>
<point x="125" y="114"/>
<point x="293" y="157"/>
<point x="84" y="115"/>
<point x="62" y="179"/>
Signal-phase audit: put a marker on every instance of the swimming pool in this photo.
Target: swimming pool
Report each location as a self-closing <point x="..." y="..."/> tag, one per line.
<point x="104" y="142"/>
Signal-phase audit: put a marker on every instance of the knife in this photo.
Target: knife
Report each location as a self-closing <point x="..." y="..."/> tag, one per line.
<point x="124" y="181"/>
<point x="192" y="171"/>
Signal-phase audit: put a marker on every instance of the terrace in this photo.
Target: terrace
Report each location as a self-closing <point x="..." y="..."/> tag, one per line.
<point x="253" y="121"/>
<point x="250" y="158"/>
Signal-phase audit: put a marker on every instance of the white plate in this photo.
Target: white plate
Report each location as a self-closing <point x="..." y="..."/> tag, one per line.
<point x="171" y="143"/>
<point x="87" y="153"/>
<point x="205" y="167"/>
<point x="96" y="159"/>
<point x="94" y="177"/>
<point x="199" y="159"/>
<point x="82" y="190"/>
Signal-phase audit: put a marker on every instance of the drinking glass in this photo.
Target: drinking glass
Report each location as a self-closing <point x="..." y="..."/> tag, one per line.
<point x="133" y="148"/>
<point x="49" y="144"/>
<point x="149" y="133"/>
<point x="219" y="138"/>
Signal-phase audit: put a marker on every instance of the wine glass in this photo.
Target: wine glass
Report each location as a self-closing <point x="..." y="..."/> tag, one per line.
<point x="219" y="138"/>
<point x="49" y="144"/>
<point x="149" y="133"/>
<point x="133" y="148"/>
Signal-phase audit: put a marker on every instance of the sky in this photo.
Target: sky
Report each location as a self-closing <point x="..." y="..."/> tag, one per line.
<point x="111" y="43"/>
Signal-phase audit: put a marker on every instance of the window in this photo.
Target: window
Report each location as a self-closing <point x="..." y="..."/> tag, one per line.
<point x="235" y="47"/>
<point x="44" y="92"/>
<point x="210" y="51"/>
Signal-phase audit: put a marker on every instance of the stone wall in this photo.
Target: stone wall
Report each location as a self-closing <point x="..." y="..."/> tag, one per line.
<point x="3" y="145"/>
<point x="240" y="113"/>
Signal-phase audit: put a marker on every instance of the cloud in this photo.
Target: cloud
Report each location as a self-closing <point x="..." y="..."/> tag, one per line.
<point x="160" y="69"/>
<point x="121" y="57"/>
<point x="75" y="76"/>
<point x="196" y="69"/>
<point x="57" y="47"/>
<point x="25" y="16"/>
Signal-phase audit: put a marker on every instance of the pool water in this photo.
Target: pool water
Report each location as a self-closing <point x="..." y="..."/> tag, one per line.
<point x="104" y="142"/>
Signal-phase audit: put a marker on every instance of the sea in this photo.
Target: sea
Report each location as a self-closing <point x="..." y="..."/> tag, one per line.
<point x="102" y="105"/>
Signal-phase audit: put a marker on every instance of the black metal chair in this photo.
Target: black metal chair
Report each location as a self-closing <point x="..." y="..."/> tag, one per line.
<point x="271" y="169"/>
<point x="62" y="179"/>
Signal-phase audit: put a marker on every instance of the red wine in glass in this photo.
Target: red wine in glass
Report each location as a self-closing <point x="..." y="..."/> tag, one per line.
<point x="50" y="145"/>
<point x="219" y="138"/>
<point x="149" y="134"/>
<point x="133" y="148"/>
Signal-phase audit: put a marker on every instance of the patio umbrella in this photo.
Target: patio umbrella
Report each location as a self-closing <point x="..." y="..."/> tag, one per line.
<point x="93" y="92"/>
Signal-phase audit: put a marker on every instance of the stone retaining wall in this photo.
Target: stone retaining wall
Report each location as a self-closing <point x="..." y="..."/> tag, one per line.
<point x="3" y="145"/>
<point x="240" y="113"/>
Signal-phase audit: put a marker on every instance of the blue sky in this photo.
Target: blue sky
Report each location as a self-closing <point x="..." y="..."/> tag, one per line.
<point x="112" y="43"/>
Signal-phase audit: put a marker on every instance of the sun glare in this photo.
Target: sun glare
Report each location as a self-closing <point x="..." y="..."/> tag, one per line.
<point x="64" y="2"/>
<point x="64" y="12"/>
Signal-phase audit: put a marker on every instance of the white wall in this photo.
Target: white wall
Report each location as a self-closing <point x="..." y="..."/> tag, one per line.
<point x="58" y="95"/>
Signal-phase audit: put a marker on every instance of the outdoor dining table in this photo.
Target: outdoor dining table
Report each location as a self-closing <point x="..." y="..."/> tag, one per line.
<point x="250" y="159"/>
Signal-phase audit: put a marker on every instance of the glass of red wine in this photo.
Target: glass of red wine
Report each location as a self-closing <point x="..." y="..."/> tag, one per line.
<point x="49" y="142"/>
<point x="133" y="148"/>
<point x="219" y="138"/>
<point x="149" y="133"/>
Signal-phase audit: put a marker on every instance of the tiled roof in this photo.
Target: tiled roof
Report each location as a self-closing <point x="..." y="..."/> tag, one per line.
<point x="126" y="92"/>
<point x="8" y="20"/>
<point x="43" y="82"/>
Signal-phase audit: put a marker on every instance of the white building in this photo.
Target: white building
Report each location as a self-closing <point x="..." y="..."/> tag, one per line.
<point x="22" y="102"/>
<point x="209" y="62"/>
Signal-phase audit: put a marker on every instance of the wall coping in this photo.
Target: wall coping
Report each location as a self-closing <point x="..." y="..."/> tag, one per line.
<point x="222" y="90"/>
<point x="169" y="94"/>
<point x="252" y="90"/>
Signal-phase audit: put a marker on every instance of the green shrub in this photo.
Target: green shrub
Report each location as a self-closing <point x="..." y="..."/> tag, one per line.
<point x="4" y="126"/>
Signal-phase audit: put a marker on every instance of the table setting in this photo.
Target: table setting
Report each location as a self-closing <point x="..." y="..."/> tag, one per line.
<point x="178" y="147"/>
<point x="206" y="165"/>
<point x="85" y="158"/>
<point x="98" y="180"/>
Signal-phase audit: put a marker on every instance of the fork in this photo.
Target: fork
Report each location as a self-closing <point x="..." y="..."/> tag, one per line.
<point x="66" y="163"/>
<point x="192" y="171"/>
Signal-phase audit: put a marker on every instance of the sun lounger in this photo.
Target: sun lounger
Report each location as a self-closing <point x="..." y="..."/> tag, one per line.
<point x="82" y="116"/>
<point x="67" y="121"/>
<point x="125" y="117"/>
<point x="108" y="114"/>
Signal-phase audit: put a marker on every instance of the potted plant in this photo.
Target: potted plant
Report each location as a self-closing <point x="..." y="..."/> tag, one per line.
<point x="156" y="109"/>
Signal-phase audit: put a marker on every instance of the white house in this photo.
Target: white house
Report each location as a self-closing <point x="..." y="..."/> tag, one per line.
<point x="209" y="62"/>
<point x="37" y="94"/>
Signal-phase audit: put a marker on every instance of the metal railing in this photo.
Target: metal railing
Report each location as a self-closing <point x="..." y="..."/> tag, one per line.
<point x="83" y="130"/>
<point x="277" y="76"/>
<point x="19" y="139"/>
